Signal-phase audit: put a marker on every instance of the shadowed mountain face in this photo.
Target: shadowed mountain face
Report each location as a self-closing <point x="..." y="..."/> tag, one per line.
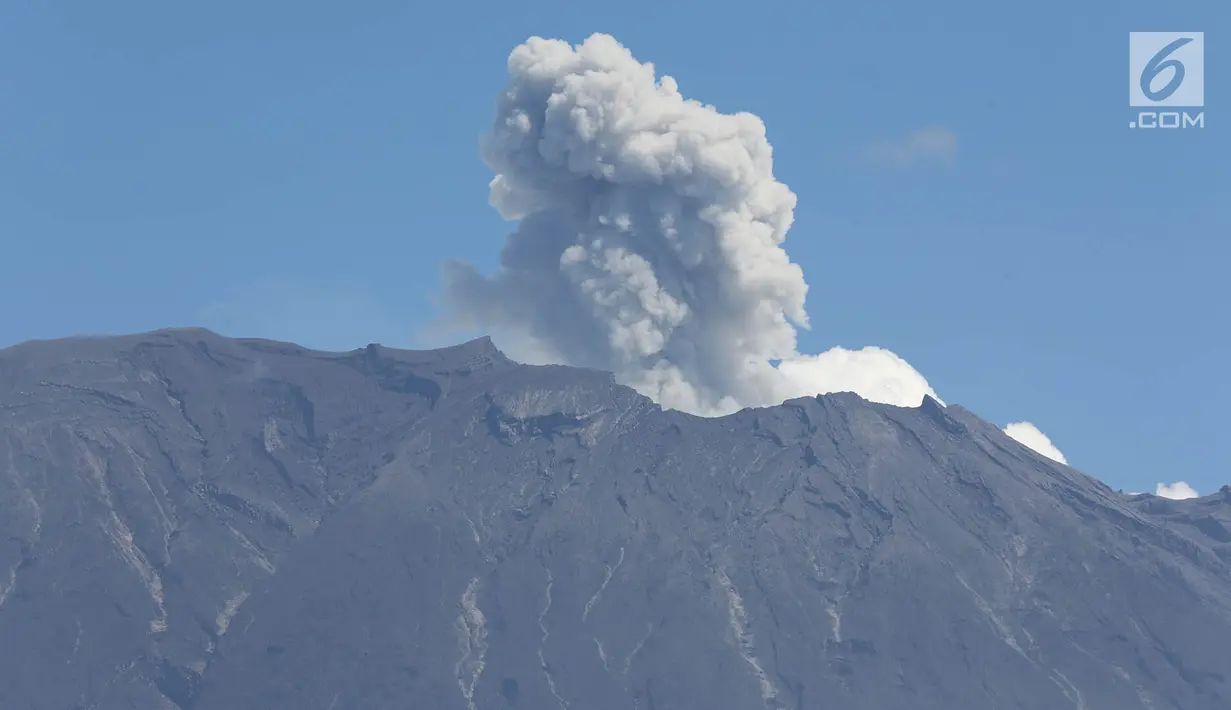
<point x="188" y="521"/>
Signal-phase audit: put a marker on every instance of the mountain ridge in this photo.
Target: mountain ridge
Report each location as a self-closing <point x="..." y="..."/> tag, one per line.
<point x="200" y="522"/>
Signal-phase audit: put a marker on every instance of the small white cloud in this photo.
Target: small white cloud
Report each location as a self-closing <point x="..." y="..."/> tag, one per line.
<point x="1029" y="436"/>
<point x="930" y="144"/>
<point x="1176" y="491"/>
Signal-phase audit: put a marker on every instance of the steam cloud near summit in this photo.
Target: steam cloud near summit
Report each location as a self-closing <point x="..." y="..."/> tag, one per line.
<point x="1179" y="490"/>
<point x="1029" y="435"/>
<point x="649" y="241"/>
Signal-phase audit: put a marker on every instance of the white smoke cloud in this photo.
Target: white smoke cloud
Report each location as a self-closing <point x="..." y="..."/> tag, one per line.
<point x="1176" y="491"/>
<point x="1029" y="436"/>
<point x="649" y="241"/>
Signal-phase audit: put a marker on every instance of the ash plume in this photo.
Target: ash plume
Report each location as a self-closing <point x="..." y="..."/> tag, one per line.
<point x="649" y="241"/>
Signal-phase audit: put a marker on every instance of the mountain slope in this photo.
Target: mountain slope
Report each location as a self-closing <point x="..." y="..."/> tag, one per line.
<point x="196" y="522"/>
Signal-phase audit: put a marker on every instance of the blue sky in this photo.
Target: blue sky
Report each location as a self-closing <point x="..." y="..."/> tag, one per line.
<point x="299" y="170"/>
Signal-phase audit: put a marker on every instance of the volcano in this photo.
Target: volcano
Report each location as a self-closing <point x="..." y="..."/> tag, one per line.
<point x="194" y="522"/>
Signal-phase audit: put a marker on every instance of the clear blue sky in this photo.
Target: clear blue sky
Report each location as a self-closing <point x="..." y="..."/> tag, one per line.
<point x="299" y="170"/>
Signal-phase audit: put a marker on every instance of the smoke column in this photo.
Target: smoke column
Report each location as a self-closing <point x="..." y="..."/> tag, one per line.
<point x="649" y="241"/>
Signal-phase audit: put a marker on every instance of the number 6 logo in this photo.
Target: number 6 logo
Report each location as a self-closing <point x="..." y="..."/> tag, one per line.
<point x="1166" y="69"/>
<point x="1157" y="64"/>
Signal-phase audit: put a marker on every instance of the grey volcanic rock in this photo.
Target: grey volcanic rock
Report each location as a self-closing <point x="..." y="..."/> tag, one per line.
<point x="193" y="522"/>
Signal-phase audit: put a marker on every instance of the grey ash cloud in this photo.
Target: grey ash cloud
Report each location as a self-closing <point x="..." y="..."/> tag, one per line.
<point x="650" y="241"/>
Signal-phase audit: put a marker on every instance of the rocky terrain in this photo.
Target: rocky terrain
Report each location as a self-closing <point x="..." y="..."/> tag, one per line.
<point x="193" y="522"/>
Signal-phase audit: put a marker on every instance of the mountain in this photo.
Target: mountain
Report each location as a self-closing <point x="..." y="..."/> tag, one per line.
<point x="197" y="523"/>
